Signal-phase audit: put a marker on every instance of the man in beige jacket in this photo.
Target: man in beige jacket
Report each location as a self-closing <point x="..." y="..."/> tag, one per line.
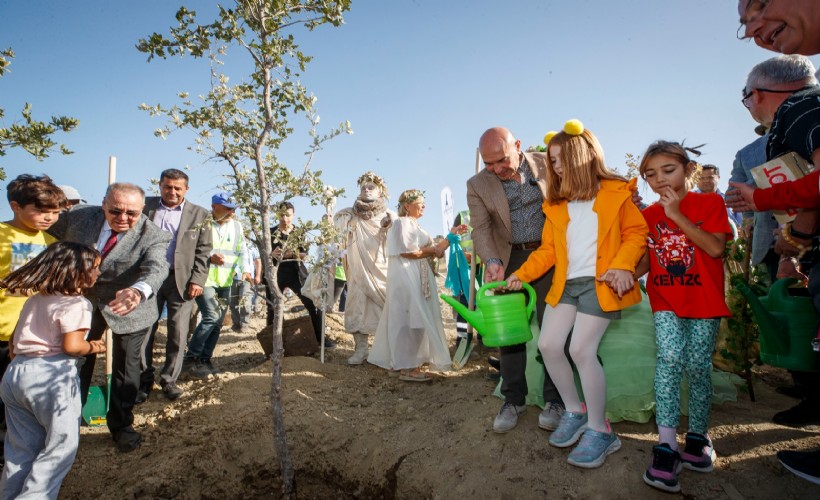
<point x="505" y="206"/>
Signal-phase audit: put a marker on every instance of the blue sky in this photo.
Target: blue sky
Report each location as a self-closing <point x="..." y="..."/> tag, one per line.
<point x="419" y="80"/>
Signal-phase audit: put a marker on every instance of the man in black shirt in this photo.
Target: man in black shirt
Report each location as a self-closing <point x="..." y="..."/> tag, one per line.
<point x="289" y="274"/>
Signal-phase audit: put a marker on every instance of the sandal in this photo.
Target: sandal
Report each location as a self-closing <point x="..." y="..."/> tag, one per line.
<point x="414" y="376"/>
<point x="393" y="373"/>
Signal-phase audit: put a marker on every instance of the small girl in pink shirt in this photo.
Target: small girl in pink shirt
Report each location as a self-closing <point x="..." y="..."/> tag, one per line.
<point x="41" y="388"/>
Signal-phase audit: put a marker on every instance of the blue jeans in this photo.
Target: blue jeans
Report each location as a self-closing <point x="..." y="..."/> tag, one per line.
<point x="240" y="304"/>
<point x="213" y="303"/>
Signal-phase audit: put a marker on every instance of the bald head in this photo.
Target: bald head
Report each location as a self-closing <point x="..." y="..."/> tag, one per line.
<point x="501" y="152"/>
<point x="495" y="136"/>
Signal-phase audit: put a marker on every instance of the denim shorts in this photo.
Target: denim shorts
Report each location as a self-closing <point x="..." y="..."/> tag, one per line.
<point x="580" y="292"/>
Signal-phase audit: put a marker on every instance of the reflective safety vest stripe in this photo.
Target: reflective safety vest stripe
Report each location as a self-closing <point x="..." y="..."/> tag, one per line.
<point x="228" y="242"/>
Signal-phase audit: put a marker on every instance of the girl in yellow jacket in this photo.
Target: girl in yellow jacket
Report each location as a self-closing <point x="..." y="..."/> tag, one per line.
<point x="594" y="236"/>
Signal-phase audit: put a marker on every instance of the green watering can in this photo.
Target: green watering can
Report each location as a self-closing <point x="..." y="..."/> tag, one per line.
<point x="502" y="320"/>
<point x="787" y="325"/>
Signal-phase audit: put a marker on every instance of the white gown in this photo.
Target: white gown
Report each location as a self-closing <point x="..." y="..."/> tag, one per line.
<point x="410" y="331"/>
<point x="366" y="270"/>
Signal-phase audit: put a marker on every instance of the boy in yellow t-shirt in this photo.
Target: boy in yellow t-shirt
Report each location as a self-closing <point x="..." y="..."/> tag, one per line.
<point x="36" y="203"/>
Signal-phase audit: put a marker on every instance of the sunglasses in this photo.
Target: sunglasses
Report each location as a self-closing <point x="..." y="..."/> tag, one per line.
<point x="116" y="212"/>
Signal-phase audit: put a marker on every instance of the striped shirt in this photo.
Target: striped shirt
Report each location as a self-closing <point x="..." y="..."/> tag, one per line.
<point x="796" y="125"/>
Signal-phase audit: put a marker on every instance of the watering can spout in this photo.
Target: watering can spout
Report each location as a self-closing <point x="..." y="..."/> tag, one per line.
<point x="475" y="318"/>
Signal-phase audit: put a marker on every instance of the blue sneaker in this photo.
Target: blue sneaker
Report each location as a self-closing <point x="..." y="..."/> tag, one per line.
<point x="570" y="428"/>
<point x="593" y="449"/>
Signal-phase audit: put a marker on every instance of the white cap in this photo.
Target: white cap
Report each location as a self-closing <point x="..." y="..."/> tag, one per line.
<point x="71" y="193"/>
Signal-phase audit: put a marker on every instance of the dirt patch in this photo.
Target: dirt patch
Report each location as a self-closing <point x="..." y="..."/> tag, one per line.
<point x="356" y="433"/>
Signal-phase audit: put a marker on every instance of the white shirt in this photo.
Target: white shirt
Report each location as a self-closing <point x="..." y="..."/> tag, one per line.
<point x="582" y="239"/>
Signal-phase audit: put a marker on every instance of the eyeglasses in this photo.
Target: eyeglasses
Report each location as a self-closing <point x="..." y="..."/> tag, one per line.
<point x="748" y="93"/>
<point x="116" y="212"/>
<point x="754" y="8"/>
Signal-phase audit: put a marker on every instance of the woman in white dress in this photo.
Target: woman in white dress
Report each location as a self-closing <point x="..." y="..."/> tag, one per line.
<point x="410" y="332"/>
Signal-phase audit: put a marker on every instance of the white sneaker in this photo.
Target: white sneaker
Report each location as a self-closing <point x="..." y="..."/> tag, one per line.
<point x="550" y="416"/>
<point x="507" y="417"/>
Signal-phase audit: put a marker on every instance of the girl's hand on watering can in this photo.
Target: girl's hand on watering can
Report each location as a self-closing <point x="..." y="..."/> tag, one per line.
<point x="513" y="283"/>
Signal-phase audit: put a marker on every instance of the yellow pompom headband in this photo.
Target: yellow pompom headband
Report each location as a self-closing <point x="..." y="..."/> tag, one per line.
<point x="574" y="127"/>
<point x="571" y="127"/>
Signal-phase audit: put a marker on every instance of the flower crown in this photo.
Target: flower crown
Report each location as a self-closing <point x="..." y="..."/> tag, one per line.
<point x="410" y="196"/>
<point x="571" y="127"/>
<point x="375" y="179"/>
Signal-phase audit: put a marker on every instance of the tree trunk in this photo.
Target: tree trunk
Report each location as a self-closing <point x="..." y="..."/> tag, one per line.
<point x="280" y="438"/>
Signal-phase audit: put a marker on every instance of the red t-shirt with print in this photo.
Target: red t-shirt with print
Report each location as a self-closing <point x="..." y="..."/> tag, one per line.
<point x="683" y="278"/>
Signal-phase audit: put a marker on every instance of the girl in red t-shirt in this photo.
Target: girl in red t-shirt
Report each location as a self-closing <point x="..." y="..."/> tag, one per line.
<point x="687" y="238"/>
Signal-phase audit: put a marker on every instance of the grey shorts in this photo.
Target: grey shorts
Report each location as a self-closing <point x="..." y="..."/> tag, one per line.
<point x="580" y="292"/>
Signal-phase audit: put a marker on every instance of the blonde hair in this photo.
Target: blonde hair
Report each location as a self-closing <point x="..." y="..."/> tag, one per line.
<point x="679" y="153"/>
<point x="582" y="158"/>
<point x="409" y="196"/>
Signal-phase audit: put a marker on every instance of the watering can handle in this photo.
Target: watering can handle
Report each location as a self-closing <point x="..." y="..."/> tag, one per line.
<point x="780" y="287"/>
<point x="495" y="284"/>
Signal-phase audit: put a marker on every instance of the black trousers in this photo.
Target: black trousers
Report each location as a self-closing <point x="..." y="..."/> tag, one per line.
<point x="810" y="381"/>
<point x="125" y="379"/>
<point x="291" y="280"/>
<point x="514" y="358"/>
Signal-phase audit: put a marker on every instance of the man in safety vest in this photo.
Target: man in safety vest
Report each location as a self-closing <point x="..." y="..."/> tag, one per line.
<point x="227" y="258"/>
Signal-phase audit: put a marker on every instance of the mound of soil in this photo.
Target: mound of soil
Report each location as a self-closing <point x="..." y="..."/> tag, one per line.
<point x="354" y="432"/>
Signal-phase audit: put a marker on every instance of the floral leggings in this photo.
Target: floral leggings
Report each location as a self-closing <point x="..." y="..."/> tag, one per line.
<point x="684" y="346"/>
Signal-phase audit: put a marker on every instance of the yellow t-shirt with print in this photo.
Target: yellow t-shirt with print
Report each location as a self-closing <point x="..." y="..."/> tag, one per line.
<point x="16" y="248"/>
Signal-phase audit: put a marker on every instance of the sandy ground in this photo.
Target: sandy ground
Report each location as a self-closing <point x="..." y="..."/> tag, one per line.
<point x="356" y="433"/>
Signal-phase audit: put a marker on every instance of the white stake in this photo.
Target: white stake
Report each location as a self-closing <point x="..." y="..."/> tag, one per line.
<point x="112" y="169"/>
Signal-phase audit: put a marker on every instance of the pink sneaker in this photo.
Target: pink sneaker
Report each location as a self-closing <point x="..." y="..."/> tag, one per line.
<point x="698" y="454"/>
<point x="664" y="468"/>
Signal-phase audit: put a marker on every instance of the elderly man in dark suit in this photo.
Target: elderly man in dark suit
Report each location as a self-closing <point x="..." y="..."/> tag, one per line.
<point x="188" y="263"/>
<point x="505" y="208"/>
<point x="124" y="297"/>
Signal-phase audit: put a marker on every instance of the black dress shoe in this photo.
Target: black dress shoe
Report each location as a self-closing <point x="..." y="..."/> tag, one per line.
<point x="142" y="396"/>
<point x="807" y="412"/>
<point x="172" y="391"/>
<point x="494" y="362"/>
<point x="127" y="440"/>
<point x="792" y="391"/>
<point x="803" y="464"/>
